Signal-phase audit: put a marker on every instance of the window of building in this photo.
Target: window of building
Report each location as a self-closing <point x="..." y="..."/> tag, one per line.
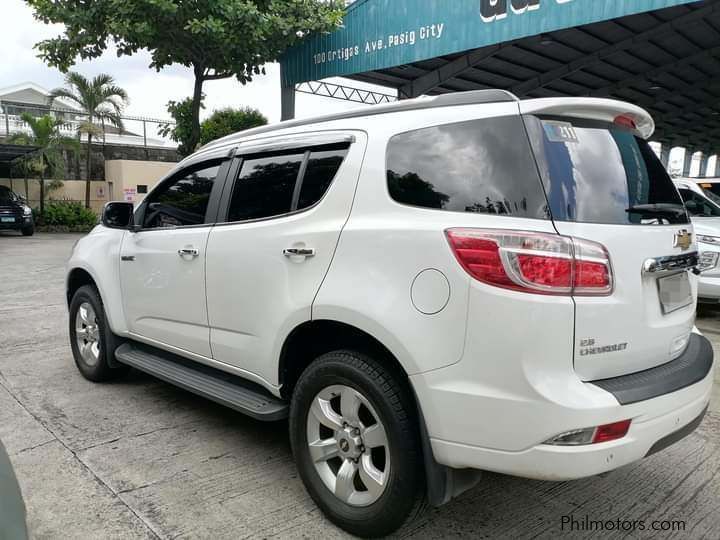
<point x="142" y="188"/>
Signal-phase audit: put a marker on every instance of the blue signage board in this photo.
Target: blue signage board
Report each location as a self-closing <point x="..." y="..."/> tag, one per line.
<point x="380" y="34"/>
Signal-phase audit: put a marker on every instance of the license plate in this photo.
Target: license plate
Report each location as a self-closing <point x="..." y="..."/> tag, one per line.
<point x="674" y="292"/>
<point x="7" y="220"/>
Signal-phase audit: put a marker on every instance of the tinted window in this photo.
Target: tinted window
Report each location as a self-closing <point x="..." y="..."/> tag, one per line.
<point x="483" y="166"/>
<point x="699" y="206"/>
<point x="6" y="196"/>
<point x="264" y="187"/>
<point x="182" y="201"/>
<point x="601" y="173"/>
<point x="321" y="169"/>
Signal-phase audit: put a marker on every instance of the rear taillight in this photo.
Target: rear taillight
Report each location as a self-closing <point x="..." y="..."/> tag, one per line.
<point x="533" y="262"/>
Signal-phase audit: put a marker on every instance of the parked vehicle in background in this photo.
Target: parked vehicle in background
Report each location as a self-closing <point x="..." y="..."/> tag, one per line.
<point x="709" y="185"/>
<point x="13" y="524"/>
<point x="704" y="209"/>
<point x="427" y="289"/>
<point x="15" y="214"/>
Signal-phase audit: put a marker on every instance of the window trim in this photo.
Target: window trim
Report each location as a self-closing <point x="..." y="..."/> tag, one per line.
<point x="211" y="212"/>
<point x="239" y="160"/>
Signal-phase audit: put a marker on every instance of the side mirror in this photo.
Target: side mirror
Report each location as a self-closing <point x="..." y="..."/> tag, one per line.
<point x="118" y="215"/>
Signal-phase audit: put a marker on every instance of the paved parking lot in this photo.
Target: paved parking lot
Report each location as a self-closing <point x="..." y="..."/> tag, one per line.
<point x="141" y="459"/>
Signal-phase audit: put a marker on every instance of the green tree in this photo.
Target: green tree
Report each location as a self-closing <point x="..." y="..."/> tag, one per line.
<point x="227" y="121"/>
<point x="181" y="130"/>
<point x="100" y="99"/>
<point x="48" y="158"/>
<point x="217" y="39"/>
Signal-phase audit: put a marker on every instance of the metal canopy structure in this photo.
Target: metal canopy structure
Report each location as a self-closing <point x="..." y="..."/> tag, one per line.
<point x="11" y="152"/>
<point x="663" y="55"/>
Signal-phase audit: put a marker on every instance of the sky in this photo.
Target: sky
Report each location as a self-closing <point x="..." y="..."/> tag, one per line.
<point x="149" y="90"/>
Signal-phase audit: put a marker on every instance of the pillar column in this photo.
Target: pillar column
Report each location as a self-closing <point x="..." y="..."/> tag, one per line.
<point x="287" y="102"/>
<point x="687" y="162"/>
<point x="703" y="164"/>
<point x="665" y="154"/>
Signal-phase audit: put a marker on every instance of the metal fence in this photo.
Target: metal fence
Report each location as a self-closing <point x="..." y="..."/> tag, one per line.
<point x="137" y="130"/>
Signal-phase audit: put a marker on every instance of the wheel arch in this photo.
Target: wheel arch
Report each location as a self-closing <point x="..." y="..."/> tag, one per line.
<point x="312" y="338"/>
<point x="76" y="278"/>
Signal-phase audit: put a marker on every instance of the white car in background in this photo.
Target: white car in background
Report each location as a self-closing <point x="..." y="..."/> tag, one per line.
<point x="704" y="209"/>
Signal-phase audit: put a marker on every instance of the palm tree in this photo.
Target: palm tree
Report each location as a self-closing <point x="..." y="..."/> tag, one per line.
<point x="48" y="157"/>
<point x="100" y="99"/>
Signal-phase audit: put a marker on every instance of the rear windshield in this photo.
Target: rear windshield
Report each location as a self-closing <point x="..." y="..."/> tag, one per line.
<point x="595" y="172"/>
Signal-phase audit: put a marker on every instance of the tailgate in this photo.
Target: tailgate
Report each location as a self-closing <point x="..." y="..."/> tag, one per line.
<point x="605" y="184"/>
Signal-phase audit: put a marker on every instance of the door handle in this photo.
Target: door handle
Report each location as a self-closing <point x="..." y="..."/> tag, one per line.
<point x="299" y="252"/>
<point x="189" y="252"/>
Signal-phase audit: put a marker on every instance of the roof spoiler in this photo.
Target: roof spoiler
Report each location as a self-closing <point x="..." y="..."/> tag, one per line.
<point x="607" y="110"/>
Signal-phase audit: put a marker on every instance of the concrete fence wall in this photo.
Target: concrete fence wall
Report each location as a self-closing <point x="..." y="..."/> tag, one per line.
<point x="123" y="178"/>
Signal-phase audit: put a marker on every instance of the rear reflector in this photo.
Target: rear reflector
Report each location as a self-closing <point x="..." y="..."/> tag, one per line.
<point x="592" y="435"/>
<point x="611" y="432"/>
<point x="533" y="262"/>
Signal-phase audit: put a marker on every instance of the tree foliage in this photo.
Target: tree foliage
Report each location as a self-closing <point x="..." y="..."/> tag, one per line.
<point x="48" y="158"/>
<point x="227" y="121"/>
<point x="181" y="130"/>
<point x="100" y="99"/>
<point x="217" y="39"/>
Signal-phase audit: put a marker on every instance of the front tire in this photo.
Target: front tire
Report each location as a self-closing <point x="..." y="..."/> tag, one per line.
<point x="354" y="436"/>
<point x="28" y="231"/>
<point x="91" y="339"/>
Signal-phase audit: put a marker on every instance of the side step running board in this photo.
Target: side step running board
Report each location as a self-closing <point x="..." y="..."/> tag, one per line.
<point x="219" y="386"/>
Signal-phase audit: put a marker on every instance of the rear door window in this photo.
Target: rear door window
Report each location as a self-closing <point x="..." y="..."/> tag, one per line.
<point x="481" y="166"/>
<point x="321" y="168"/>
<point x="264" y="187"/>
<point x="595" y="172"/>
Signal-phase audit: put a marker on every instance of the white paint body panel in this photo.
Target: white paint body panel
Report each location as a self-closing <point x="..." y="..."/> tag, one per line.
<point x="494" y="370"/>
<point x="164" y="293"/>
<point x="256" y="295"/>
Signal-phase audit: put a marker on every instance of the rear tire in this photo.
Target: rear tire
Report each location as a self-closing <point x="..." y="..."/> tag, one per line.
<point x="28" y="231"/>
<point x="365" y="472"/>
<point x="91" y="339"/>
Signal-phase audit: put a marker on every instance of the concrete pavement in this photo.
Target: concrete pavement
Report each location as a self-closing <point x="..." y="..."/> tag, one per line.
<point x="139" y="458"/>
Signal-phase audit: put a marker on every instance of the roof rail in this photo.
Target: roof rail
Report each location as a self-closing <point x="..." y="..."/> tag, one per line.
<point x="474" y="97"/>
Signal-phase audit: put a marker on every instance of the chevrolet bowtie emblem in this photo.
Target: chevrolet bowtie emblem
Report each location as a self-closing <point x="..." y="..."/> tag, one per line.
<point x="683" y="239"/>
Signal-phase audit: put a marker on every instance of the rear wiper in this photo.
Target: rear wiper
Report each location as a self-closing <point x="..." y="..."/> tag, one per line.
<point x="662" y="209"/>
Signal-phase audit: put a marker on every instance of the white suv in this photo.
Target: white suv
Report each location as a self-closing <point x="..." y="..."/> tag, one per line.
<point x="427" y="289"/>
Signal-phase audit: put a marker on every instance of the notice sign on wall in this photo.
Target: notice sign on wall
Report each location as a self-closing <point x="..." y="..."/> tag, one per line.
<point x="129" y="194"/>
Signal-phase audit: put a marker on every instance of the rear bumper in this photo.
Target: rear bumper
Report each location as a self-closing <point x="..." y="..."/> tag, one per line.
<point x="545" y="462"/>
<point x="526" y="421"/>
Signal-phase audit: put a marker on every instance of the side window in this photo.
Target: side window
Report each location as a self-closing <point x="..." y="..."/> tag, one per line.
<point x="264" y="187"/>
<point x="183" y="200"/>
<point x="481" y="166"/>
<point x="322" y="167"/>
